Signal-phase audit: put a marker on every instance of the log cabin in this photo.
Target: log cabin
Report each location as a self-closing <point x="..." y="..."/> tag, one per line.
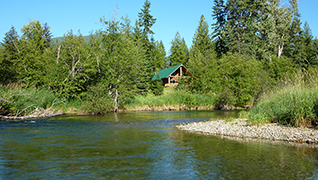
<point x="172" y="75"/>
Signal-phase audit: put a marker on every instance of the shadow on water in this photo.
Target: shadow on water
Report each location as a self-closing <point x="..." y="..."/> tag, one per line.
<point x="141" y="146"/>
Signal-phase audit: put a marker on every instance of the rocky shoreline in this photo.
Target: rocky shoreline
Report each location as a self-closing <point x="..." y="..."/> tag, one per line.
<point x="239" y="129"/>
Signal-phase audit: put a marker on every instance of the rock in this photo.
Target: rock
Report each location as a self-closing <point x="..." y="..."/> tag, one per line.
<point x="239" y="128"/>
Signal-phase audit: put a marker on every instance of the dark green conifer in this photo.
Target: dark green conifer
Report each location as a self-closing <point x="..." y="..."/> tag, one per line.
<point x="179" y="53"/>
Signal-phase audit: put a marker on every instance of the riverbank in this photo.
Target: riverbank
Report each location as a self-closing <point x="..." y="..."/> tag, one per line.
<point x="239" y="129"/>
<point x="32" y="116"/>
<point x="76" y="112"/>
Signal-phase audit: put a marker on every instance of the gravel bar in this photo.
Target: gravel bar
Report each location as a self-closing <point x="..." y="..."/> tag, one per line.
<point x="239" y="129"/>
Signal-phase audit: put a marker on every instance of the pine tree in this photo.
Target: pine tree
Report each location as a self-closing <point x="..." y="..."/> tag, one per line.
<point x="202" y="38"/>
<point x="219" y="15"/>
<point x="11" y="53"/>
<point x="240" y="36"/>
<point x="313" y="58"/>
<point x="178" y="51"/>
<point x="296" y="45"/>
<point x="204" y="70"/>
<point x="145" y="22"/>
<point x="310" y="46"/>
<point x="159" y="56"/>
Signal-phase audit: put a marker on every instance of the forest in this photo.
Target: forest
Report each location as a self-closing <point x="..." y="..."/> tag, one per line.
<point x="252" y="47"/>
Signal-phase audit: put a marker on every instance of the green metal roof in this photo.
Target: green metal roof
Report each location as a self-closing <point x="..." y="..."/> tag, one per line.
<point x="164" y="73"/>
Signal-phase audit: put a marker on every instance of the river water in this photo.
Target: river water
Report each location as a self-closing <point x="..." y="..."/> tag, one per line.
<point x="142" y="146"/>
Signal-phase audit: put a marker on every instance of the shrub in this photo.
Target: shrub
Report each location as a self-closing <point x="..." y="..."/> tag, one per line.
<point x="97" y="100"/>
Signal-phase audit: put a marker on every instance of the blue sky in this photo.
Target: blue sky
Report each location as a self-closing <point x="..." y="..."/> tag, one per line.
<point x="84" y="15"/>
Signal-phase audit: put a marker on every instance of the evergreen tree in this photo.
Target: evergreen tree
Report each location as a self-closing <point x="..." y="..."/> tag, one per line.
<point x="157" y="86"/>
<point x="10" y="55"/>
<point x="178" y="51"/>
<point x="202" y="38"/>
<point x="219" y="15"/>
<point x="204" y="70"/>
<point x="145" y="22"/>
<point x="308" y="45"/>
<point x="296" y="45"/>
<point x="313" y="58"/>
<point x="159" y="56"/>
<point x="240" y="35"/>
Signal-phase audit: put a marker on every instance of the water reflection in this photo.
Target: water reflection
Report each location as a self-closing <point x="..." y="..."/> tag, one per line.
<point x="141" y="145"/>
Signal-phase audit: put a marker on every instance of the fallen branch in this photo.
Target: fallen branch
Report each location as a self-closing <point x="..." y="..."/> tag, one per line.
<point x="18" y="113"/>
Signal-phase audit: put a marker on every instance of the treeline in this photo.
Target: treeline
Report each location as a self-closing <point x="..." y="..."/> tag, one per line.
<point x="114" y="64"/>
<point x="252" y="45"/>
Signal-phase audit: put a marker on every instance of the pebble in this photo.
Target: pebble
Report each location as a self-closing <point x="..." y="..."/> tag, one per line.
<point x="239" y="128"/>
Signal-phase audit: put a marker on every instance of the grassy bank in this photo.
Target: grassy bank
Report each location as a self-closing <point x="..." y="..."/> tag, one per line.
<point x="293" y="103"/>
<point x="18" y="100"/>
<point x="173" y="98"/>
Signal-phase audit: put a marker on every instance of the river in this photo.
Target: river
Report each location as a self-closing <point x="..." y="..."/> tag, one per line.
<point x="142" y="145"/>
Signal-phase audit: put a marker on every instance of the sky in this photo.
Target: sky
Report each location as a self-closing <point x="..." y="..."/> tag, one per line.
<point x="84" y="15"/>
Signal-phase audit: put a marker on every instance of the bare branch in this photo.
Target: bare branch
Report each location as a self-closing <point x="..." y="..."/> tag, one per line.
<point x="116" y="11"/>
<point x="58" y="54"/>
<point x="23" y="110"/>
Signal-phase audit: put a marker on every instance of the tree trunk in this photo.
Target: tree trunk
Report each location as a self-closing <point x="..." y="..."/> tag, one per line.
<point x="116" y="100"/>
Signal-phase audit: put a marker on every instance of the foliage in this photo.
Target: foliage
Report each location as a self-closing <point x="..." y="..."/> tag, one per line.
<point x="120" y="63"/>
<point x="254" y="45"/>
<point x="73" y="68"/>
<point x="157" y="86"/>
<point x="178" y="51"/>
<point x="219" y="15"/>
<point x="240" y="77"/>
<point x="9" y="55"/>
<point x="97" y="100"/>
<point x="33" y="63"/>
<point x="17" y="100"/>
<point x="175" y="98"/>
<point x="277" y="69"/>
<point x="293" y="103"/>
<point x="143" y="31"/>
<point x="202" y="38"/>
<point x="204" y="70"/>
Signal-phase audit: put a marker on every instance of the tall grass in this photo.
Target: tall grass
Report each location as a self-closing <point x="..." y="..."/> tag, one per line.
<point x="18" y="100"/>
<point x="174" y="98"/>
<point x="294" y="102"/>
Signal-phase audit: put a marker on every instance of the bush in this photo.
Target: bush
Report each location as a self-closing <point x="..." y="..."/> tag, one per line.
<point x="97" y="100"/>
<point x="239" y="79"/>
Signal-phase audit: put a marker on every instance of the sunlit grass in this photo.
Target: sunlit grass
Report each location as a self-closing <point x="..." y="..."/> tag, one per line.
<point x="294" y="103"/>
<point x="174" y="98"/>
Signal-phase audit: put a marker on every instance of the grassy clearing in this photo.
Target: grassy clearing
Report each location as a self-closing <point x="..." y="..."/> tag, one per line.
<point x="294" y="103"/>
<point x="174" y="98"/>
